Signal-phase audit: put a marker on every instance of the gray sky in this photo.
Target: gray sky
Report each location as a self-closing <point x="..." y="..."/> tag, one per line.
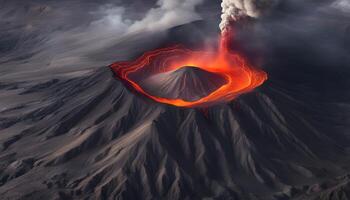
<point x="39" y="35"/>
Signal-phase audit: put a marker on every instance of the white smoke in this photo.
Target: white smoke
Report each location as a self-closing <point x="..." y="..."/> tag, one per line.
<point x="233" y="10"/>
<point x="343" y="5"/>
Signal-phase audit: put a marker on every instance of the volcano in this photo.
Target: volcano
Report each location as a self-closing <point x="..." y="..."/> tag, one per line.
<point x="71" y="130"/>
<point x="189" y="83"/>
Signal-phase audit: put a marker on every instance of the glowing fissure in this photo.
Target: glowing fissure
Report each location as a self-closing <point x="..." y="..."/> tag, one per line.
<point x="240" y="77"/>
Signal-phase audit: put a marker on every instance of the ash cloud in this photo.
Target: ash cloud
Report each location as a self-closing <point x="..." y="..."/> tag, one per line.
<point x="168" y="13"/>
<point x="163" y="15"/>
<point x="233" y="10"/>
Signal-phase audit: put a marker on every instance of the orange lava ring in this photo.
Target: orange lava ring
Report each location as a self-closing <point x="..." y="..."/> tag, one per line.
<point x="240" y="77"/>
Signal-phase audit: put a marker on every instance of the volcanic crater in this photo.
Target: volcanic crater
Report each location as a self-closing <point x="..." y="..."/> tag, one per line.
<point x="184" y="77"/>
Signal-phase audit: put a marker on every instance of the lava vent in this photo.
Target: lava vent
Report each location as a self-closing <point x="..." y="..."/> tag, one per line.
<point x="188" y="83"/>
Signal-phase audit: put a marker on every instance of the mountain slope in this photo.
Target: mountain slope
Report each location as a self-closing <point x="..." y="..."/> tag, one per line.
<point x="86" y="136"/>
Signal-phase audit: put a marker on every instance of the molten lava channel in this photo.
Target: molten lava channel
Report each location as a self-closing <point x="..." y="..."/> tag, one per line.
<point x="240" y="76"/>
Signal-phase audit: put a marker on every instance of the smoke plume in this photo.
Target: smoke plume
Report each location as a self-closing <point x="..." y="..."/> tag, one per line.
<point x="233" y="10"/>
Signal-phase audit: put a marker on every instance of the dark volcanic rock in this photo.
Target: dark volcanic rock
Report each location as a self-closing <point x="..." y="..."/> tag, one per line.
<point x="188" y="83"/>
<point x="105" y="143"/>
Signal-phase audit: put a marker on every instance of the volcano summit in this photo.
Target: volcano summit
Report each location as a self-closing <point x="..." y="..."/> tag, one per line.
<point x="188" y="83"/>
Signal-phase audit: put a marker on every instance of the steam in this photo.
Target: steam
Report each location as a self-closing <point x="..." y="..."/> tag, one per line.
<point x="233" y="10"/>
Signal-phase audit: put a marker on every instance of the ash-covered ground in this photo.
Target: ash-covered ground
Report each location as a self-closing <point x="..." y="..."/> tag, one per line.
<point x="70" y="130"/>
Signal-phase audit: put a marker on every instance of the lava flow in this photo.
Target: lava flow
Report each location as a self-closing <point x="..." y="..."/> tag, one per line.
<point x="240" y="76"/>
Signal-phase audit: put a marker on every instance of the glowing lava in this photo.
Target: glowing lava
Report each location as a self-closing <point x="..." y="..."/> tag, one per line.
<point x="240" y="77"/>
